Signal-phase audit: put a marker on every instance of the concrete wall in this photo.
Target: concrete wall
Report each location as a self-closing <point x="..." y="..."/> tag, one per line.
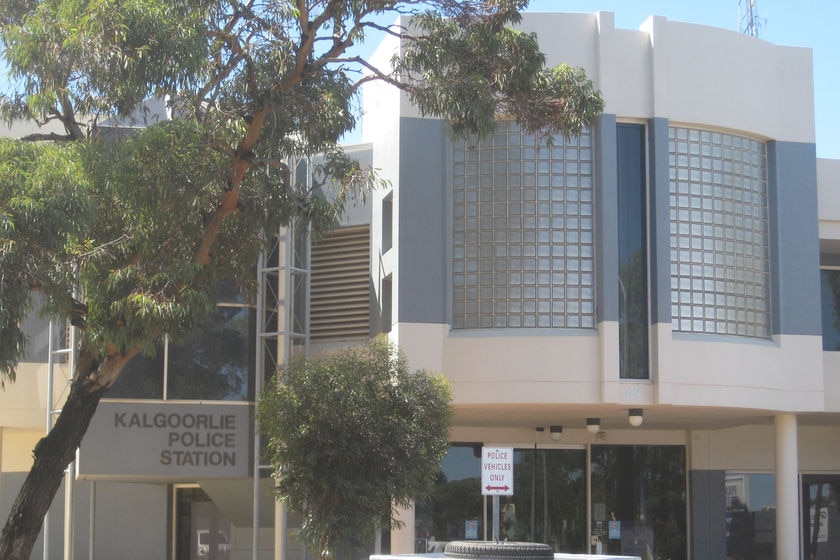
<point x="130" y="520"/>
<point x="679" y="71"/>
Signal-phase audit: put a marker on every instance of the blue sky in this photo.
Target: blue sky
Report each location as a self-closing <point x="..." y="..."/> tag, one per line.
<point x="802" y="23"/>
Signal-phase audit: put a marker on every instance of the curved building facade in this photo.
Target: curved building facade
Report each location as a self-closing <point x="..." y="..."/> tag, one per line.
<point x="667" y="261"/>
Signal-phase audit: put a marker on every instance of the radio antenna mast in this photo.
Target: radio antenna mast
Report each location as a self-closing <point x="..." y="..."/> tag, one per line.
<point x="749" y="21"/>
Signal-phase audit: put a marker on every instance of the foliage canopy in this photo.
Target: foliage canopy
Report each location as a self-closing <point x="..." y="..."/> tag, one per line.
<point x="353" y="435"/>
<point x="127" y="232"/>
<point x="250" y="84"/>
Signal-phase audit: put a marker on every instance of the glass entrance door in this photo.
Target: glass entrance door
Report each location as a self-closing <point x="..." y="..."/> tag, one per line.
<point x="548" y="505"/>
<point x="202" y="532"/>
<point x="549" y="499"/>
<point x="638" y="501"/>
<point x="821" y="516"/>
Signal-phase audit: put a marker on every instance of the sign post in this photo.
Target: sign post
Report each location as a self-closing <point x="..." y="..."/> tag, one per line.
<point x="496" y="478"/>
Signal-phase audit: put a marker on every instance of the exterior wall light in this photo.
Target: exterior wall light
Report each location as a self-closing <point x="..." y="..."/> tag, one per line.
<point x="635" y="417"/>
<point x="556" y="432"/>
<point x="593" y="425"/>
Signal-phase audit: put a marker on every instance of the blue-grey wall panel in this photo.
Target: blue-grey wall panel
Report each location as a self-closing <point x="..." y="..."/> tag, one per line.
<point x="606" y="218"/>
<point x="659" y="221"/>
<point x="794" y="238"/>
<point x="423" y="222"/>
<point x="708" y="521"/>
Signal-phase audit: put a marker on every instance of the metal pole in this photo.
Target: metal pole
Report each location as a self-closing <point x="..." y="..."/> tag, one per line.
<point x="92" y="532"/>
<point x="69" y="511"/>
<point x="496" y="517"/>
<point x="70" y="475"/>
<point x="258" y="385"/>
<point x="50" y="397"/>
<point x="533" y="493"/>
<point x="545" y="497"/>
<point x="589" y="498"/>
<point x="484" y="515"/>
<point x="280" y="530"/>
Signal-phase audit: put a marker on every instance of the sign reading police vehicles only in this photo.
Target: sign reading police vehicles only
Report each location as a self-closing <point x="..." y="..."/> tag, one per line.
<point x="497" y="471"/>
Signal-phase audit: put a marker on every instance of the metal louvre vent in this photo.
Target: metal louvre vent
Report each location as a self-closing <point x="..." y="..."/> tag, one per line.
<point x="340" y="285"/>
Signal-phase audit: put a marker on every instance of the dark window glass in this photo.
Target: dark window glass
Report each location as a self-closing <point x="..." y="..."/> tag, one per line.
<point x="142" y="378"/>
<point x="213" y="363"/>
<point x="387" y="223"/>
<point x="548" y="503"/>
<point x="386" y="296"/>
<point x="821" y="516"/>
<point x="638" y="501"/>
<point x="201" y="529"/>
<point x="549" y="499"/>
<point x="750" y="516"/>
<point x="830" y="284"/>
<point x="454" y="512"/>
<point x="632" y="253"/>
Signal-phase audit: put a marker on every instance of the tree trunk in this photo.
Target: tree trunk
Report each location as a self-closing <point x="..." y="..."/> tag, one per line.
<point x="52" y="454"/>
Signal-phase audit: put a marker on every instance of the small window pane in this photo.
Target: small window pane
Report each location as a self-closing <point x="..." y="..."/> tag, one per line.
<point x="830" y="284"/>
<point x="213" y="362"/>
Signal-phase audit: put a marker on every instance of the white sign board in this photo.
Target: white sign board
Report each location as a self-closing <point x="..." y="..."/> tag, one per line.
<point x="822" y="532"/>
<point x="167" y="441"/>
<point x="737" y="495"/>
<point x="497" y="471"/>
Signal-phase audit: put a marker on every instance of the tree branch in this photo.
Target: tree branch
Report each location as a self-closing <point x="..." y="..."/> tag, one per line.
<point x="52" y="136"/>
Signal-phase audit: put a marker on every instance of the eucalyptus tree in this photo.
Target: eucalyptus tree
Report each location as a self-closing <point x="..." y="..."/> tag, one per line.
<point x="127" y="239"/>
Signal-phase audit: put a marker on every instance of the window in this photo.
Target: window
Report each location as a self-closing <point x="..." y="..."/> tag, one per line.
<point x="201" y="529"/>
<point x="821" y="516"/>
<point x="387" y="223"/>
<point x="720" y="269"/>
<point x="639" y="500"/>
<point x="387" y="304"/>
<point x="750" y="515"/>
<point x="214" y="362"/>
<point x="454" y="510"/>
<point x="830" y="292"/>
<point x="36" y="329"/>
<point x="549" y="499"/>
<point x="634" y="316"/>
<point x="522" y="232"/>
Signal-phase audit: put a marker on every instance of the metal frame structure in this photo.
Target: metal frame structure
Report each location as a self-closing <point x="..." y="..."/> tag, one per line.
<point x="282" y="334"/>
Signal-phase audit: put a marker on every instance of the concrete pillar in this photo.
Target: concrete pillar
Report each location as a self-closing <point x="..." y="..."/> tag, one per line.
<point x="402" y="540"/>
<point x="280" y="518"/>
<point x="787" y="488"/>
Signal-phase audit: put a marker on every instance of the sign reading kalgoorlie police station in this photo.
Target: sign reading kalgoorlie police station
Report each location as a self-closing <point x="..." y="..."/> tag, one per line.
<point x="167" y="441"/>
<point x="497" y="471"/>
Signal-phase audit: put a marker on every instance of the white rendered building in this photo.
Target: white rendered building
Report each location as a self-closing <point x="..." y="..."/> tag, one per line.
<point x="678" y="261"/>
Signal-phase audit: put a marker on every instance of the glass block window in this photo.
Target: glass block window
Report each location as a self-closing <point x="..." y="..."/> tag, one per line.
<point x="720" y="269"/>
<point x="522" y="253"/>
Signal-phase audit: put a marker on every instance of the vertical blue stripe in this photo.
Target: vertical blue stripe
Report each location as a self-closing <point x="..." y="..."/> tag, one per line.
<point x="659" y="220"/>
<point x="794" y="238"/>
<point x="606" y="217"/>
<point x="423" y="221"/>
